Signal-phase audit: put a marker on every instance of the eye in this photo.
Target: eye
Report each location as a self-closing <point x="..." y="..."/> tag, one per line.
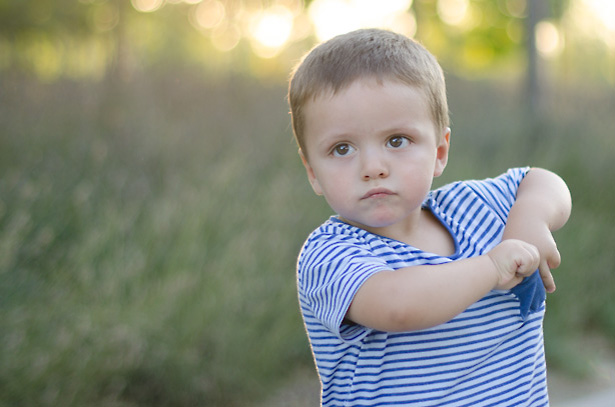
<point x="398" y="142"/>
<point x="342" y="150"/>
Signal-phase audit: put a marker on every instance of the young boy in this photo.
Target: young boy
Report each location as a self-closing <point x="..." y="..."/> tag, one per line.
<point x="411" y="296"/>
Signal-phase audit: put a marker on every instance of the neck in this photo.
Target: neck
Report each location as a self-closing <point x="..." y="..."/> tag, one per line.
<point x="421" y="230"/>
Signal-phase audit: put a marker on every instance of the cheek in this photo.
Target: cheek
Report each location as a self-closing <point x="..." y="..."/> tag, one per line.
<point x="336" y="180"/>
<point x="335" y="189"/>
<point x="336" y="192"/>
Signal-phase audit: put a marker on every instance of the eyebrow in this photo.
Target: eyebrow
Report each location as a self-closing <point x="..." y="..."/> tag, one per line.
<point x="329" y="142"/>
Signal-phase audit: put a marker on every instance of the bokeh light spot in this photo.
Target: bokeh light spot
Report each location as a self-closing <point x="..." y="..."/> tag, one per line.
<point x="453" y="12"/>
<point x="334" y="17"/>
<point x="549" y="41"/>
<point x="147" y="6"/>
<point x="209" y="14"/>
<point x="272" y="27"/>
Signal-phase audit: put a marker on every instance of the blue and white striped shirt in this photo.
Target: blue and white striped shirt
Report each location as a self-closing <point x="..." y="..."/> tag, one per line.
<point x="490" y="354"/>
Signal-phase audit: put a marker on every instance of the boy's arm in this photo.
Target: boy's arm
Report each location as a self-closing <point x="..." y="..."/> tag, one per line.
<point x="421" y="297"/>
<point x="542" y="206"/>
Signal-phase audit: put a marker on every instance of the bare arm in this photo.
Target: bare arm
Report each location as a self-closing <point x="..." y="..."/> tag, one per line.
<point x="542" y="206"/>
<point x="420" y="297"/>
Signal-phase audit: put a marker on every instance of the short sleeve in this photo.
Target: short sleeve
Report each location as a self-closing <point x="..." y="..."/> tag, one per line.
<point x="330" y="272"/>
<point x="500" y="193"/>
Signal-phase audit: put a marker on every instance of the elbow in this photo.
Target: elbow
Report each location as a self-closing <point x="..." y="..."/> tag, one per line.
<point x="390" y="316"/>
<point x="564" y="209"/>
<point x="399" y="320"/>
<point x="563" y="215"/>
<point x="555" y="194"/>
<point x="411" y="319"/>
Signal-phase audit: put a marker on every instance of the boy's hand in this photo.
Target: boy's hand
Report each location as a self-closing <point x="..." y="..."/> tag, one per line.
<point x="538" y="234"/>
<point x="513" y="260"/>
<point x="542" y="206"/>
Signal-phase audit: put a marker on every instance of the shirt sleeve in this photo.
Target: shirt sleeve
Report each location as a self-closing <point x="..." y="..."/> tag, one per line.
<point x="331" y="271"/>
<point x="500" y="193"/>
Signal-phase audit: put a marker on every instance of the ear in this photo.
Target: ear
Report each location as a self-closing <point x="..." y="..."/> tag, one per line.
<point x="310" y="174"/>
<point x="442" y="152"/>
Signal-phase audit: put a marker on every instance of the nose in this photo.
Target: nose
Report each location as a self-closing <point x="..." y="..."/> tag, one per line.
<point x="373" y="166"/>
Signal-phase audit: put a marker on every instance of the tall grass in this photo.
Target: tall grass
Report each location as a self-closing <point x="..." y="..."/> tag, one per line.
<point x="148" y="238"/>
<point x="147" y="258"/>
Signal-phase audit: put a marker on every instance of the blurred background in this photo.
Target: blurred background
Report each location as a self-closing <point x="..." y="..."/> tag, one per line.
<point x="152" y="203"/>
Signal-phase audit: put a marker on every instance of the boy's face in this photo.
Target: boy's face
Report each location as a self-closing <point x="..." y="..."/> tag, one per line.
<point x="373" y="152"/>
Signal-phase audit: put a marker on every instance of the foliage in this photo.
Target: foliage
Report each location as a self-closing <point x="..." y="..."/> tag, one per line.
<point x="94" y="38"/>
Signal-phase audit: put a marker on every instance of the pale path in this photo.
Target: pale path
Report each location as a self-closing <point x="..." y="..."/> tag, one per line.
<point x="597" y="392"/>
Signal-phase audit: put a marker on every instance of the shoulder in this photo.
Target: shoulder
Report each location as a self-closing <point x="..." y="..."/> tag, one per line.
<point x="334" y="233"/>
<point x="510" y="179"/>
<point x="336" y="247"/>
<point x="503" y="185"/>
<point x="498" y="193"/>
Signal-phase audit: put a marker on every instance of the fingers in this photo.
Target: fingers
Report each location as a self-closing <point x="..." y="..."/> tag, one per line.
<point x="514" y="260"/>
<point x="551" y="259"/>
<point x="547" y="277"/>
<point x="554" y="259"/>
<point x="513" y="282"/>
<point x="544" y="258"/>
<point x="530" y="260"/>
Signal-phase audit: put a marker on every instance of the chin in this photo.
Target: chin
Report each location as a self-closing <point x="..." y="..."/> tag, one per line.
<point x="374" y="222"/>
<point x="379" y="223"/>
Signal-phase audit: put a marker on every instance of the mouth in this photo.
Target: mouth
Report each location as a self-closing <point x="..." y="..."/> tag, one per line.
<point x="377" y="193"/>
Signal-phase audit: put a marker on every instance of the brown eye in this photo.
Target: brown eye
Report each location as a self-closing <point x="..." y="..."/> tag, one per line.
<point x="398" y="142"/>
<point x="341" y="150"/>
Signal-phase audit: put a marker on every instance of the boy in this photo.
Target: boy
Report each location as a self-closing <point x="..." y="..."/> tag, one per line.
<point x="411" y="296"/>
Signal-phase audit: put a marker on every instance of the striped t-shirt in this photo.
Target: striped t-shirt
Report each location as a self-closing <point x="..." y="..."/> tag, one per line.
<point x="490" y="354"/>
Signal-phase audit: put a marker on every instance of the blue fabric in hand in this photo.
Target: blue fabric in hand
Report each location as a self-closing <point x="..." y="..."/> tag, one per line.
<point x="531" y="293"/>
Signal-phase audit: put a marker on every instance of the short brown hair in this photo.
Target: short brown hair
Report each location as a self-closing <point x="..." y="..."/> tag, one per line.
<point x="381" y="54"/>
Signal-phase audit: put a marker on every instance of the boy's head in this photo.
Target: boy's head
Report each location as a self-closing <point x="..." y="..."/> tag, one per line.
<point x="369" y="53"/>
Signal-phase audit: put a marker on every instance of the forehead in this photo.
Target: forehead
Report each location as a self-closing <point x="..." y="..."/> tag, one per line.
<point x="365" y="106"/>
<point x="331" y="89"/>
<point x="365" y="94"/>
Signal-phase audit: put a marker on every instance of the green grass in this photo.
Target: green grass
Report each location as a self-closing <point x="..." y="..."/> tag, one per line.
<point x="148" y="237"/>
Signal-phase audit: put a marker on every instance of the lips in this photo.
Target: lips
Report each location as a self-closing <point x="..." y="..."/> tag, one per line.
<point x="377" y="193"/>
